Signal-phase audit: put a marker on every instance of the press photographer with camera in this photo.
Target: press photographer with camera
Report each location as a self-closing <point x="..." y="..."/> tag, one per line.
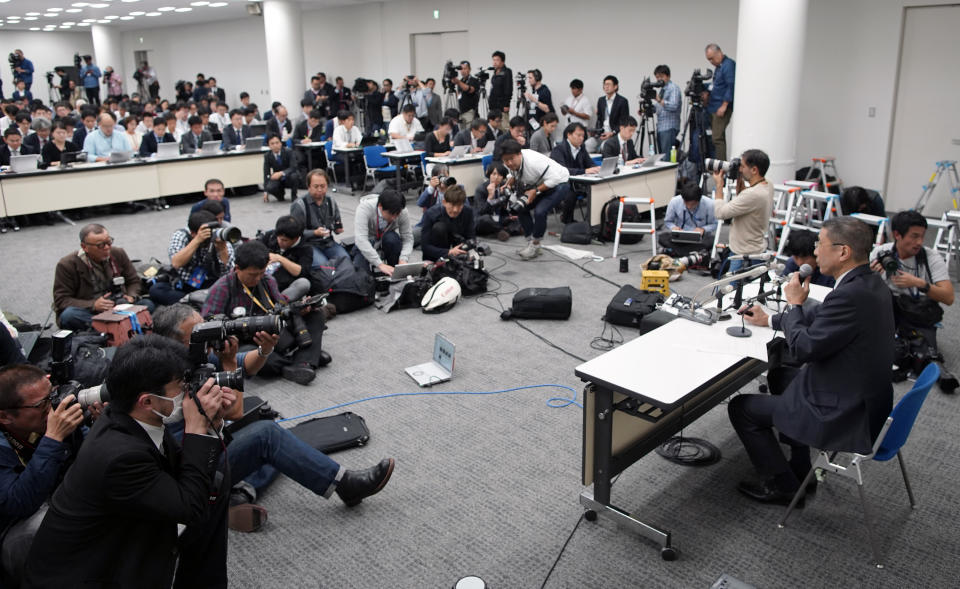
<point x="517" y="132"/>
<point x="321" y="219"/>
<point x="501" y="87"/>
<point x="38" y="446"/>
<point x="576" y="108"/>
<point x="539" y="100"/>
<point x="447" y="227"/>
<point x="22" y="68"/>
<point x="668" y="105"/>
<point x="688" y="211"/>
<point x="719" y="99"/>
<point x="249" y="287"/>
<point x="382" y="229"/>
<point x="438" y="184"/>
<point x="491" y="201"/>
<point x="113" y="520"/>
<point x="199" y="255"/>
<point x="468" y="91"/>
<point x="748" y="211"/>
<point x="919" y="279"/>
<point x="290" y="257"/>
<point x="541" y="184"/>
<point x="90" y="78"/>
<point x="94" y="279"/>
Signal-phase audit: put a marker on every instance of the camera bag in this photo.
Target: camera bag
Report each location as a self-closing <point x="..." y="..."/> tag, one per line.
<point x="473" y="280"/>
<point x="578" y="232"/>
<point x="333" y="433"/>
<point x="349" y="289"/>
<point x="541" y="303"/>
<point x="608" y="221"/>
<point x="630" y="305"/>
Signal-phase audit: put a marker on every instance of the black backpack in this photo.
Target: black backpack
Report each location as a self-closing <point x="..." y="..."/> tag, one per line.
<point x="608" y="221"/>
<point x="472" y="280"/>
<point x="630" y="304"/>
<point x="349" y="289"/>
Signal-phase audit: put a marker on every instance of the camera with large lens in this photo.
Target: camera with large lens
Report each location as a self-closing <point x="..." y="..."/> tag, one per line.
<point x="692" y="259"/>
<point x="116" y="290"/>
<point x="85" y="397"/>
<point x="518" y="203"/>
<point x="291" y="313"/>
<point x="696" y="87"/>
<point x="473" y="244"/>
<point x="224" y="232"/>
<point x="215" y="332"/>
<point x="450" y="73"/>
<point x="232" y="379"/>
<point x="61" y="376"/>
<point x="889" y="262"/>
<point x="360" y="86"/>
<point x="731" y="168"/>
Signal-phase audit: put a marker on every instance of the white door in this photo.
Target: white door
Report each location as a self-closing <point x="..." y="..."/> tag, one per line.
<point x="926" y="126"/>
<point x="432" y="50"/>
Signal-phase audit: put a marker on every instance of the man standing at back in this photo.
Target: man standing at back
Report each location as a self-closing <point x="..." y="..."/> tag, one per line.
<point x="720" y="101"/>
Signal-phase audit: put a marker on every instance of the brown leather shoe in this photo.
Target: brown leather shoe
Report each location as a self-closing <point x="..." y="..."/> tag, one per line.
<point x="247" y="517"/>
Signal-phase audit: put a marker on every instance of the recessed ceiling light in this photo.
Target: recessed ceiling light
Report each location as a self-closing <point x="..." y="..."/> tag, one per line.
<point x="74" y="10"/>
<point x="70" y="22"/>
<point x="29" y="18"/>
<point x="34" y="28"/>
<point x="89" y="20"/>
<point x="111" y="17"/>
<point x="103" y="22"/>
<point x="65" y="26"/>
<point x="33" y="14"/>
<point x="217" y="4"/>
<point x="54" y="10"/>
<point x="131" y="0"/>
<point x="126" y="18"/>
<point x="153" y="14"/>
<point x="98" y="5"/>
<point x="184" y="9"/>
<point x="199" y="3"/>
<point x="166" y="9"/>
<point x="84" y="24"/>
<point x="137" y="13"/>
<point x="80" y="4"/>
<point x="50" y="14"/>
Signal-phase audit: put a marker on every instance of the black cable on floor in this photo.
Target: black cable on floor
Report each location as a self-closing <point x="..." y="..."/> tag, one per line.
<point x="562" y="549"/>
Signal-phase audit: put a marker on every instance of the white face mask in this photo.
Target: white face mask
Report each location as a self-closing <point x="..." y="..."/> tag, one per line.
<point x="176" y="415"/>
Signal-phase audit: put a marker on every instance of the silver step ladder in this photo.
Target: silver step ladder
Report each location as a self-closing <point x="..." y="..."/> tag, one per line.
<point x="826" y="165"/>
<point x="945" y="167"/>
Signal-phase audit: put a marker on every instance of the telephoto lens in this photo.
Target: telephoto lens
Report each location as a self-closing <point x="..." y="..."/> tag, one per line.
<point x="232" y="379"/>
<point x="246" y="327"/>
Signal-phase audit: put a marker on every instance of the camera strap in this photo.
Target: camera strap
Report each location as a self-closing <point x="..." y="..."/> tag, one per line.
<point x="23" y="450"/>
<point x="255" y="300"/>
<point x="134" y="323"/>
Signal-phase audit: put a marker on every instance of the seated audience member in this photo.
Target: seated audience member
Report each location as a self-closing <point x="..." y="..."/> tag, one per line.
<point x="213" y="190"/>
<point x="251" y="115"/>
<point x="159" y="134"/>
<point x="89" y="119"/>
<point x="321" y="219"/>
<point x="40" y="136"/>
<point x="405" y="125"/>
<point x="919" y="279"/>
<point x="130" y="124"/>
<point x="290" y="256"/>
<point x="439" y="182"/>
<point x="840" y="398"/>
<point x="621" y="143"/>
<point x="280" y="170"/>
<point x="54" y="150"/>
<point x="21" y="94"/>
<point x="220" y="118"/>
<point x="263" y="447"/>
<point x="37" y="447"/>
<point x="237" y="132"/>
<point x="9" y="115"/>
<point x="448" y="226"/>
<point x="85" y="280"/>
<point x="132" y="483"/>
<point x="347" y="136"/>
<point x="542" y="139"/>
<point x="179" y="126"/>
<point x="13" y="145"/>
<point x="146" y="124"/>
<point x="801" y="247"/>
<point x="384" y="236"/>
<point x="543" y="183"/>
<point x="280" y="125"/>
<point x="105" y="140"/>
<point x="518" y="132"/>
<point x="861" y="200"/>
<point x="493" y="126"/>
<point x="23" y="122"/>
<point x="572" y="155"/>
<point x="437" y="142"/>
<point x="309" y="130"/>
<point x="329" y="127"/>
<point x="247" y="285"/>
<point x="306" y="107"/>
<point x="688" y="211"/>
<point x="194" y="140"/>
<point x="475" y="136"/>
<point x="198" y="258"/>
<point x="491" y="201"/>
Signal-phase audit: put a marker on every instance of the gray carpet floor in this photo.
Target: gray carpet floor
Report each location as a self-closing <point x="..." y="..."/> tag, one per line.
<point x="488" y="485"/>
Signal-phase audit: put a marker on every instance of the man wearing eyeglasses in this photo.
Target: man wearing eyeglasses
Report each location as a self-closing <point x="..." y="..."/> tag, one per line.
<point x="37" y="447"/>
<point x="94" y="279"/>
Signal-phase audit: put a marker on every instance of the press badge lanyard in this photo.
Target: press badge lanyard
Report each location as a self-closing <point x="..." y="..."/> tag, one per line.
<point x="23" y="450"/>
<point x="256" y="301"/>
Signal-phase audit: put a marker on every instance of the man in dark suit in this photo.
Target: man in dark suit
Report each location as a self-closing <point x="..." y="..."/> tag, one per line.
<point x="614" y="104"/>
<point x="194" y="140"/>
<point x="113" y="520"/>
<point x="621" y="143"/>
<point x="40" y="137"/>
<point x="13" y="145"/>
<point x="280" y="125"/>
<point x="280" y="170"/>
<point x="571" y="154"/>
<point x="842" y="395"/>
<point x="159" y="134"/>
<point x="235" y="134"/>
<point x="89" y="119"/>
<point x="310" y="129"/>
<point x="213" y="90"/>
<point x="475" y="136"/>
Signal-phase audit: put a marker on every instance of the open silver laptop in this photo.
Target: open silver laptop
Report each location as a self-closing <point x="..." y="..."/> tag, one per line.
<point x="403" y="271"/>
<point x="488" y="148"/>
<point x="402" y="145"/>
<point x="607" y="167"/>
<point x="440" y="368"/>
<point x="652" y="160"/>
<point x="210" y="148"/>
<point x="118" y="157"/>
<point x="253" y="143"/>
<point x="459" y="151"/>
<point x="24" y="163"/>
<point x="168" y="150"/>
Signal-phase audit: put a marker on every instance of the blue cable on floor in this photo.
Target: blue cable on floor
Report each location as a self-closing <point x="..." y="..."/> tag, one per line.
<point x="553" y="402"/>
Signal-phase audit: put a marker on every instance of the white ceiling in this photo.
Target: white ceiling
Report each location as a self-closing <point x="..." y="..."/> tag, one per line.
<point x="125" y="15"/>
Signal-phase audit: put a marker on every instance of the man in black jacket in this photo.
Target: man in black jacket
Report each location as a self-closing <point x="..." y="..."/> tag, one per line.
<point x="235" y="134"/>
<point x="841" y="397"/>
<point x="571" y="154"/>
<point x="290" y="257"/>
<point x="501" y="88"/>
<point x="280" y="170"/>
<point x="612" y="108"/>
<point x="159" y="134"/>
<point x="447" y="226"/>
<point x="621" y="143"/>
<point x="113" y="521"/>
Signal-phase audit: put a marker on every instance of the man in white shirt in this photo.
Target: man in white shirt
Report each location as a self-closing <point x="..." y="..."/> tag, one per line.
<point x="182" y="127"/>
<point x="347" y="136"/>
<point x="541" y="185"/>
<point x="405" y="125"/>
<point x="220" y="118"/>
<point x="577" y="108"/>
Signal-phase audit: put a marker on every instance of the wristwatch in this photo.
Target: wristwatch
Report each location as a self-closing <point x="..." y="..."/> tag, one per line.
<point x="261" y="354"/>
<point x="925" y="288"/>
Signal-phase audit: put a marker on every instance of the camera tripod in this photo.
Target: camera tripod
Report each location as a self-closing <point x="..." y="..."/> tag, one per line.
<point x="483" y="109"/>
<point x="648" y="130"/>
<point x="700" y="145"/>
<point x="449" y="99"/>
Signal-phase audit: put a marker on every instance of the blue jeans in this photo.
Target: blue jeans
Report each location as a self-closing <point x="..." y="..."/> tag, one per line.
<point x="323" y="256"/>
<point x="665" y="141"/>
<point x="266" y="444"/>
<point x="164" y="293"/>
<point x="534" y="222"/>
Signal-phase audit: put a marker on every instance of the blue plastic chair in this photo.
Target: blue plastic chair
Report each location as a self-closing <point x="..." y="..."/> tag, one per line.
<point x="597" y="159"/>
<point x="485" y="161"/>
<point x="888" y="444"/>
<point x="376" y="163"/>
<point x="331" y="163"/>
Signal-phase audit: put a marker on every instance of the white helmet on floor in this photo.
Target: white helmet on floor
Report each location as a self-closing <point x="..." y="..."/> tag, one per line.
<point x="442" y="296"/>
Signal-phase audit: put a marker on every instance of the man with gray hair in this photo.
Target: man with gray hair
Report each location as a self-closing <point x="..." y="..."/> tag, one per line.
<point x="40" y="136"/>
<point x="841" y="397"/>
<point x="94" y="279"/>
<point x="719" y="98"/>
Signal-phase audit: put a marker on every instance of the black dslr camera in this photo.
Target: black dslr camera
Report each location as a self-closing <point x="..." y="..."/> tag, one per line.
<point x="224" y="232"/>
<point x="521" y="80"/>
<point x="473" y="244"/>
<point x="290" y="314"/>
<point x="61" y="376"/>
<point x="214" y="334"/>
<point x="889" y="262"/>
<point x="696" y="87"/>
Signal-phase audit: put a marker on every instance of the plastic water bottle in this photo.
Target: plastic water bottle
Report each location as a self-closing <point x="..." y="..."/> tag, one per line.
<point x="673" y="154"/>
<point x="651" y="152"/>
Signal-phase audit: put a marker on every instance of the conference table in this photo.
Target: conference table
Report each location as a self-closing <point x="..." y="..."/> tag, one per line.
<point x="644" y="392"/>
<point x="468" y="170"/>
<point x="99" y="183"/>
<point x="658" y="182"/>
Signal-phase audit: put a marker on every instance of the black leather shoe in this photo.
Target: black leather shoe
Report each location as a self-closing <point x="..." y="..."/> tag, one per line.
<point x="324" y="359"/>
<point x="357" y="484"/>
<point x="299" y="373"/>
<point x="767" y="492"/>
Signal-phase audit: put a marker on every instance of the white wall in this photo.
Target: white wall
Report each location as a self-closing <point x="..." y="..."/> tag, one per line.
<point x="46" y="51"/>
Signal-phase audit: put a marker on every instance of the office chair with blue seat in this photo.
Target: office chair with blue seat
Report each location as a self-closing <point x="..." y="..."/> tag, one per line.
<point x="485" y="161"/>
<point x="892" y="437"/>
<point x="332" y="163"/>
<point x="378" y="166"/>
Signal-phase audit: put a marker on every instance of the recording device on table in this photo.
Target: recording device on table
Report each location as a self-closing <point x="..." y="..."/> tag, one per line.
<point x="72" y="157"/>
<point x="693" y="308"/>
<point x="62" y="373"/>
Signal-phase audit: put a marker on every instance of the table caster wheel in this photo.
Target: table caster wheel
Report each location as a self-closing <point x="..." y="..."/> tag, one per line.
<point x="590" y="515"/>
<point x="669" y="553"/>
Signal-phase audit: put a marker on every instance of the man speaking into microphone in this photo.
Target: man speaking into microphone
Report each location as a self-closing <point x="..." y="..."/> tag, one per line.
<point x="842" y="395"/>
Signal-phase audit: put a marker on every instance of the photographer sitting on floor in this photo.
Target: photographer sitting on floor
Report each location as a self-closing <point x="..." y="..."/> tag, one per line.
<point x="321" y="219"/>
<point x="94" y="279"/>
<point x="491" y="201"/>
<point x="384" y="236"/>
<point x="448" y="226"/>
<point x="920" y="282"/>
<point x="198" y="257"/>
<point x="689" y="211"/>
<point x="290" y="257"/>
<point x="248" y="286"/>
<point x="801" y="246"/>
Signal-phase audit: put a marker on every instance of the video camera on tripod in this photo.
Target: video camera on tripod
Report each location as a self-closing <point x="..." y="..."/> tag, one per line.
<point x="696" y="87"/>
<point x="648" y="93"/>
<point x="450" y="73"/>
<point x="484" y="75"/>
<point x="521" y="80"/>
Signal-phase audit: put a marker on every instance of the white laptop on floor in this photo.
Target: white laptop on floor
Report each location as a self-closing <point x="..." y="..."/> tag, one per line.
<point x="24" y="163"/>
<point x="168" y="150"/>
<point x="438" y="370"/>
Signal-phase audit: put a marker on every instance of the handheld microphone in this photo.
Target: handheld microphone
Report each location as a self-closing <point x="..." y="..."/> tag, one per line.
<point x="804" y="272"/>
<point x="764" y="257"/>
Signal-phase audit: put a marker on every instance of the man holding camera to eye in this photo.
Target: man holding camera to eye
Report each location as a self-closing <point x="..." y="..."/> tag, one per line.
<point x="198" y="257"/>
<point x="749" y="210"/>
<point x="469" y="90"/>
<point x="447" y="228"/>
<point x="920" y="282"/>
<point x="94" y="279"/>
<point x="249" y="287"/>
<point x="113" y="520"/>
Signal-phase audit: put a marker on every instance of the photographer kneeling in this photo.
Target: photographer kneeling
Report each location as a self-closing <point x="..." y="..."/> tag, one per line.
<point x="447" y="227"/>
<point x="248" y="286"/>
<point x="198" y="257"/>
<point x="920" y="282"/>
